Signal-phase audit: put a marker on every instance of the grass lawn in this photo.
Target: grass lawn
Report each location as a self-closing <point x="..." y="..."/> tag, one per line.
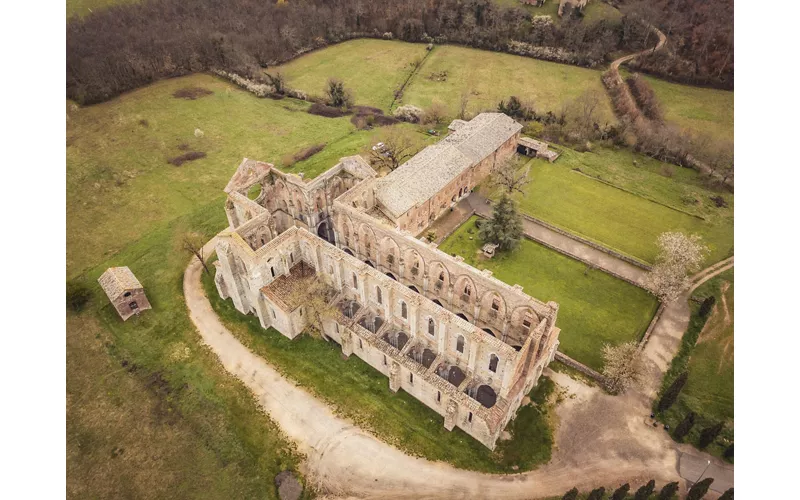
<point x="546" y="84"/>
<point x="594" y="309"/>
<point x="82" y="8"/>
<point x="621" y="220"/>
<point x="119" y="183"/>
<point x="698" y="109"/>
<point x="372" y="69"/>
<point x="361" y="394"/>
<point x="706" y="353"/>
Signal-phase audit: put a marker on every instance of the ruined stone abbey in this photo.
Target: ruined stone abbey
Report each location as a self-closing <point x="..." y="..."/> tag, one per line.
<point x="462" y="342"/>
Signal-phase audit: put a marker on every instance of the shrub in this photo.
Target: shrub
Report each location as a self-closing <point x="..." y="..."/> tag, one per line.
<point x="706" y="306"/>
<point x="699" y="489"/>
<point x="621" y="492"/>
<point x="645" y="97"/>
<point x="571" y="494"/>
<point x="684" y="427"/>
<point x="728" y="495"/>
<point x="409" y="113"/>
<point x="719" y="201"/>
<point x="645" y="491"/>
<point x="78" y="295"/>
<point x="435" y="113"/>
<point x="667" y="171"/>
<point x="728" y="453"/>
<point x="709" y="434"/>
<point x="671" y="394"/>
<point x="304" y="154"/>
<point x="191" y="155"/>
<point x="597" y="494"/>
<point x="668" y="491"/>
<point x="338" y="95"/>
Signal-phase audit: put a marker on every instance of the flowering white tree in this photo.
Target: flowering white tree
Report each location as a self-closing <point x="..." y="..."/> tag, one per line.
<point x="680" y="256"/>
<point x="623" y="366"/>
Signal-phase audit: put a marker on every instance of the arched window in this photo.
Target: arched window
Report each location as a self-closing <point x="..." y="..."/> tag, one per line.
<point x="403" y="310"/>
<point x="528" y="321"/>
<point x="431" y="326"/>
<point x="441" y="276"/>
<point x="467" y="290"/>
<point x="355" y="281"/>
<point x="496" y="304"/>
<point x="460" y="344"/>
<point x="272" y="270"/>
<point x="378" y="294"/>
<point x="493" y="359"/>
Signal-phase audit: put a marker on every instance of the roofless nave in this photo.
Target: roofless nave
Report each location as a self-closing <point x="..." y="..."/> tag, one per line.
<point x="464" y="343"/>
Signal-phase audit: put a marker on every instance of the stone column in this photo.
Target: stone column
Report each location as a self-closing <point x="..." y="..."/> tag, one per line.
<point x="473" y="355"/>
<point x="442" y="344"/>
<point x="450" y="415"/>
<point x="394" y="376"/>
<point x="347" y="341"/>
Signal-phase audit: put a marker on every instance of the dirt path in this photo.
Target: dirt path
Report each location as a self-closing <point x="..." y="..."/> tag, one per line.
<point x="601" y="439"/>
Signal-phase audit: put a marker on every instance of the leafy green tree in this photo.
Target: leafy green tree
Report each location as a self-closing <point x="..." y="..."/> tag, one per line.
<point x="668" y="491"/>
<point x="684" y="427"/>
<point x="571" y="494"/>
<point x="645" y="491"/>
<point x="671" y="394"/>
<point x="338" y="95"/>
<point x="709" y="434"/>
<point x="621" y="492"/>
<point x="699" y="489"/>
<point x="597" y="494"/>
<point x="728" y="495"/>
<point x="505" y="226"/>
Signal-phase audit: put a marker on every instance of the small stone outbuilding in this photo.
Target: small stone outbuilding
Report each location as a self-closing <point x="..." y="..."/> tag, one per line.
<point x="124" y="291"/>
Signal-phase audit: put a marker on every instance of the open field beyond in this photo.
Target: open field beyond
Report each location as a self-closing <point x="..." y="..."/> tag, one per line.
<point x="568" y="194"/>
<point x="450" y="71"/>
<point x="594" y="308"/>
<point x="371" y="69"/>
<point x="361" y="394"/>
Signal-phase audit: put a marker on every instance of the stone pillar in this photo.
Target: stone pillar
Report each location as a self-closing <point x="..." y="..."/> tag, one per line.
<point x="450" y="415"/>
<point x="473" y="356"/>
<point x="442" y="344"/>
<point x="362" y="286"/>
<point x="476" y="311"/>
<point x="347" y="341"/>
<point x="394" y="376"/>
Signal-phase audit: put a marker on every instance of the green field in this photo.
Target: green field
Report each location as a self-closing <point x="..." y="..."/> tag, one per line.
<point x="492" y="76"/>
<point x="594" y="308"/>
<point x="627" y="222"/>
<point x="361" y="394"/>
<point x="371" y="69"/>
<point x="707" y="354"/>
<point x="701" y="110"/>
<point x="82" y="8"/>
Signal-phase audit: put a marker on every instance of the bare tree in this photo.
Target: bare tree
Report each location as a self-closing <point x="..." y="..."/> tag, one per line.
<point x="315" y="296"/>
<point x="623" y="366"/>
<point x="398" y="146"/>
<point x="511" y="177"/>
<point x="193" y="243"/>
<point x="277" y="81"/>
<point x="679" y="256"/>
<point x="463" y="103"/>
<point x="435" y="113"/>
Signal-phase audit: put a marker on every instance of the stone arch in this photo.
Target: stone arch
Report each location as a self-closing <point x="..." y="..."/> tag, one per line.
<point x="490" y="332"/>
<point x="390" y="253"/>
<point x="465" y="290"/>
<point x="346" y="230"/>
<point x="489" y="301"/>
<point x="436" y="271"/>
<point x="523" y="314"/>
<point x="414" y="264"/>
<point x="367" y="240"/>
<point x="325" y="232"/>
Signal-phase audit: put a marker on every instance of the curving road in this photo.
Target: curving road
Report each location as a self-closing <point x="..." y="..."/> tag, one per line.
<point x="601" y="439"/>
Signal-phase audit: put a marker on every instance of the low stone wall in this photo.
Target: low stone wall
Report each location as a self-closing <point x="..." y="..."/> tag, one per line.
<point x="563" y="358"/>
<point x="597" y="246"/>
<point x="652" y="326"/>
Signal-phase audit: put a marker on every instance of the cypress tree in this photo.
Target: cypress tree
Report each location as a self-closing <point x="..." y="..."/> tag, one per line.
<point x="728" y="452"/>
<point x="571" y="494"/>
<point x="597" y="494"/>
<point x="621" y="492"/>
<point x="728" y="495"/>
<point x="684" y="427"/>
<point x="699" y="489"/>
<point x="671" y="394"/>
<point x="645" y="491"/>
<point x="505" y="226"/>
<point x="706" y="306"/>
<point x="668" y="491"/>
<point x="709" y="434"/>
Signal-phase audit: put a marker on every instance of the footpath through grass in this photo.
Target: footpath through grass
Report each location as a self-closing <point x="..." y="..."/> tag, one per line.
<point x="629" y="219"/>
<point x="594" y="307"/>
<point x="706" y="353"/>
<point x="360" y="393"/>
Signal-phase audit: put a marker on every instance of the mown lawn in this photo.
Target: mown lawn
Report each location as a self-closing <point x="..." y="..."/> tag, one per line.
<point x="628" y="222"/>
<point x="707" y="354"/>
<point x="492" y="76"/>
<point x="361" y="394"/>
<point x="371" y="69"/>
<point x="82" y="8"/>
<point x="594" y="308"/>
<point x="150" y="412"/>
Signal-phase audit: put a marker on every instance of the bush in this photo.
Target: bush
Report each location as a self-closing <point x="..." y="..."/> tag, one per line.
<point x="304" y="154"/>
<point x="621" y="492"/>
<point x="684" y="427"/>
<point x="409" y="113"/>
<point x="597" y="494"/>
<point x="645" y="97"/>
<point x="191" y="93"/>
<point x="645" y="491"/>
<point x="699" y="489"/>
<point x="667" y="171"/>
<point x="668" y="491"/>
<point x="571" y="494"/>
<point x="78" y="295"/>
<point x="709" y="434"/>
<point x="706" y="306"/>
<point x="728" y="495"/>
<point x="338" y="95"/>
<point x="671" y="394"/>
<point x="728" y="453"/>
